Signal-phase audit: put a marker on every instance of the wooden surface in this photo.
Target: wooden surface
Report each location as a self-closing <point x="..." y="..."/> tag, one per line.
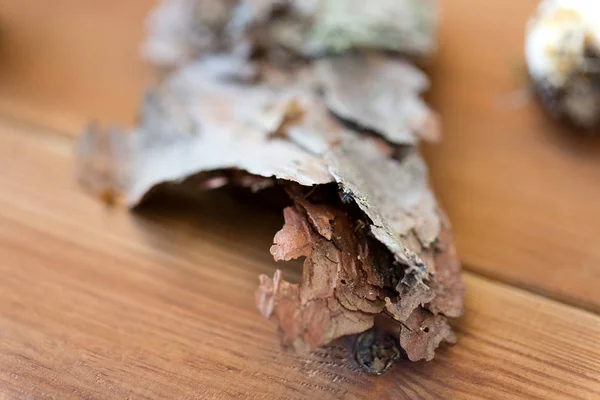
<point x="98" y="303"/>
<point x="66" y="61"/>
<point x="521" y="191"/>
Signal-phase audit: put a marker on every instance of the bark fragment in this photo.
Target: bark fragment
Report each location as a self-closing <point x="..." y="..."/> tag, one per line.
<point x="423" y="332"/>
<point x="337" y="135"/>
<point x="181" y="30"/>
<point x="344" y="271"/>
<point x="380" y="94"/>
<point x="406" y="26"/>
<point x="103" y="162"/>
<point x="373" y="244"/>
<point x="331" y="287"/>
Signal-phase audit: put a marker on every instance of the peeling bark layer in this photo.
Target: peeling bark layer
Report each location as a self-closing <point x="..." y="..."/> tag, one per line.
<point x="337" y="134"/>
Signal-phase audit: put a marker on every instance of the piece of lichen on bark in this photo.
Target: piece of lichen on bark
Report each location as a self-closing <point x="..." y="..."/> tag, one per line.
<point x="407" y="26"/>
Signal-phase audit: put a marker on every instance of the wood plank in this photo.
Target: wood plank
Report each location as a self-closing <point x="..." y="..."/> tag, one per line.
<point x="100" y="303"/>
<point x="521" y="190"/>
<point x="63" y="62"/>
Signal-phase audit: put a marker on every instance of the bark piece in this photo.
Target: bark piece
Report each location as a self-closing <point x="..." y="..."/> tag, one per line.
<point x="171" y="27"/>
<point x="446" y="282"/>
<point x="423" y="332"/>
<point x="295" y="239"/>
<point x="335" y="273"/>
<point x="180" y="30"/>
<point x="183" y="30"/>
<point x="411" y="297"/>
<point x="374" y="249"/>
<point x="344" y="268"/>
<point x="380" y="94"/>
<point x="407" y="26"/>
<point x="202" y="122"/>
<point x="405" y="224"/>
<point x="362" y="214"/>
<point x="104" y="162"/>
<point x="320" y="313"/>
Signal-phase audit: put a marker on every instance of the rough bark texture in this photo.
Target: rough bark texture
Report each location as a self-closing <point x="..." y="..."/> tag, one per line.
<point x="337" y="135"/>
<point x="180" y="30"/>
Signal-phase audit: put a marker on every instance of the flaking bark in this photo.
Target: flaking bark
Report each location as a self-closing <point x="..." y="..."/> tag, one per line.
<point x="337" y="135"/>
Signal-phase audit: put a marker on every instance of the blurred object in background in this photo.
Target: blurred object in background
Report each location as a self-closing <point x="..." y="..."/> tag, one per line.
<point x="562" y="49"/>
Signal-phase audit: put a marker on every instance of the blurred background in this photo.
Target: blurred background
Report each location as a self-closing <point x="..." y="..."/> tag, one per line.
<point x="521" y="190"/>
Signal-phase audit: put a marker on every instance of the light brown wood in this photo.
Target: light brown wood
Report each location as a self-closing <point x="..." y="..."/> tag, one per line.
<point x="101" y="303"/>
<point x="521" y="191"/>
<point x="63" y="62"/>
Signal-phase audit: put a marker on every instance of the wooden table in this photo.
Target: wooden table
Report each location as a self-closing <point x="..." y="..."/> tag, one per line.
<point x="103" y="303"/>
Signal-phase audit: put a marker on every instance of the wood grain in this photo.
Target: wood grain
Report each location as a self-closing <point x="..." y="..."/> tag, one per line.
<point x="521" y="191"/>
<point x="101" y="303"/>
